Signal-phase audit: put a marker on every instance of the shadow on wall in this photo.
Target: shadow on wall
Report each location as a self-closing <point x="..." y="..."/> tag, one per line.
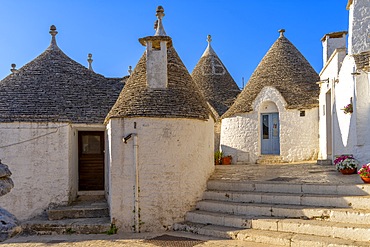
<point x="343" y="135"/>
<point x="238" y="156"/>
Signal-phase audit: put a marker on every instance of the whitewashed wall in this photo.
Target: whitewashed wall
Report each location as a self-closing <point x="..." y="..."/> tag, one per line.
<point x="359" y="27"/>
<point x="38" y="156"/>
<point x="328" y="75"/>
<point x="175" y="161"/>
<point x="344" y="127"/>
<point x="240" y="134"/>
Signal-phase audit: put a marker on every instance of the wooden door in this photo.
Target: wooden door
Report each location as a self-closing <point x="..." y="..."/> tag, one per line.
<point x="90" y="160"/>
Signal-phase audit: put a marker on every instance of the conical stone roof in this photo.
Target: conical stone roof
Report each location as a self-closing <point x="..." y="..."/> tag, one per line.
<point x="55" y="88"/>
<point x="214" y="81"/>
<point x="284" y="68"/>
<point x="180" y="98"/>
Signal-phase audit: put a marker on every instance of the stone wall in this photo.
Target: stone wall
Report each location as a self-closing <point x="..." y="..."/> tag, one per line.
<point x="240" y="134"/>
<point x="38" y="156"/>
<point x="175" y="158"/>
<point x="359" y="27"/>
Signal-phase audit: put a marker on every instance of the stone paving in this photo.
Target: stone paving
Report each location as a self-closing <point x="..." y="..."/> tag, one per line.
<point x="128" y="239"/>
<point x="308" y="172"/>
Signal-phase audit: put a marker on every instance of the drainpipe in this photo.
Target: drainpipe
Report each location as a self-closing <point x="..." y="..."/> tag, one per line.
<point x="136" y="192"/>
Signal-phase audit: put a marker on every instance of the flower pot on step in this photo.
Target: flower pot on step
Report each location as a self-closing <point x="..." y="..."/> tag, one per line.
<point x="226" y="160"/>
<point x="366" y="180"/>
<point x="348" y="171"/>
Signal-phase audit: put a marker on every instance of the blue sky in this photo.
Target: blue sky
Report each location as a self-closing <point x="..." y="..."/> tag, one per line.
<point x="242" y="30"/>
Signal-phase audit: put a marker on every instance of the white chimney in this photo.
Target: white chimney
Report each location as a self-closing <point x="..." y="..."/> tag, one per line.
<point x="332" y="41"/>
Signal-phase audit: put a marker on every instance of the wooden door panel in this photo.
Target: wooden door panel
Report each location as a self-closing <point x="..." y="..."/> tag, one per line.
<point x="91" y="160"/>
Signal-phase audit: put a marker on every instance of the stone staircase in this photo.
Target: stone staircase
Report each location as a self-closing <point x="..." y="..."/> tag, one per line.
<point x="87" y="215"/>
<point x="269" y="159"/>
<point x="283" y="214"/>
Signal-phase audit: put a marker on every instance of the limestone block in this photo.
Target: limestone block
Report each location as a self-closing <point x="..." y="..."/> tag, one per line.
<point x="8" y="225"/>
<point x="6" y="184"/>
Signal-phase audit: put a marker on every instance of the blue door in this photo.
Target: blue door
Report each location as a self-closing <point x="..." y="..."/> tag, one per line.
<point x="270" y="137"/>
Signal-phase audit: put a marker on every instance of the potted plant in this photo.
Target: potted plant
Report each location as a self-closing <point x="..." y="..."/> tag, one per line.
<point x="364" y="173"/>
<point x="346" y="164"/>
<point x="348" y="109"/>
<point x="226" y="160"/>
<point x="218" y="156"/>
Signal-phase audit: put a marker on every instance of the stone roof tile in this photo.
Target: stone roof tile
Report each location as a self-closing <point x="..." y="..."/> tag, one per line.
<point x="214" y="81"/>
<point x="284" y="68"/>
<point x="181" y="98"/>
<point x="55" y="88"/>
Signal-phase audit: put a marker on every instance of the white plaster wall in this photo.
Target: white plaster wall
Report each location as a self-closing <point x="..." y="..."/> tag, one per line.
<point x="299" y="136"/>
<point x="344" y="127"/>
<point x="359" y="27"/>
<point x="240" y="134"/>
<point x="329" y="75"/>
<point x="175" y="161"/>
<point x="330" y="45"/>
<point x="362" y="115"/>
<point x="38" y="156"/>
<point x="156" y="63"/>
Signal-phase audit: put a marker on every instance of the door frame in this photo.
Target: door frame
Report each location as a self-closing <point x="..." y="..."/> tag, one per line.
<point x="271" y="128"/>
<point x="94" y="156"/>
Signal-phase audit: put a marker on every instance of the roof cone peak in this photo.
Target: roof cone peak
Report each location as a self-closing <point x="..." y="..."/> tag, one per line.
<point x="53" y="32"/>
<point x="209" y="50"/>
<point x="281" y="31"/>
<point x="159" y="26"/>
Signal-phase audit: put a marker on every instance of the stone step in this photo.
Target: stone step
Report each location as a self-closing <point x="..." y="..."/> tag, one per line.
<point x="43" y="226"/>
<point x="279" y="187"/>
<point x="81" y="209"/>
<point x="221" y="219"/>
<point x="348" y="231"/>
<point x="273" y="238"/>
<point x="354" y="232"/>
<point x="217" y="231"/>
<point x="325" y="162"/>
<point x="345" y="215"/>
<point x="358" y="202"/>
<point x="269" y="159"/>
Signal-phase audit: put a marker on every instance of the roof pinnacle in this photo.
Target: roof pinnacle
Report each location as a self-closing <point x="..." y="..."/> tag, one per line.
<point x="13" y="69"/>
<point x="209" y="39"/>
<point x="158" y="26"/>
<point x="209" y="50"/>
<point x="281" y="31"/>
<point x="53" y="32"/>
<point x="90" y="60"/>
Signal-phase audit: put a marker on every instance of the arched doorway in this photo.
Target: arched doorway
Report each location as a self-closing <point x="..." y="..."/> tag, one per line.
<point x="270" y="128"/>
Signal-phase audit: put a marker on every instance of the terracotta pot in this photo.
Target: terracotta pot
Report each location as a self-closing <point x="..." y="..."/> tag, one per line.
<point x="226" y="160"/>
<point x="348" y="171"/>
<point x="366" y="180"/>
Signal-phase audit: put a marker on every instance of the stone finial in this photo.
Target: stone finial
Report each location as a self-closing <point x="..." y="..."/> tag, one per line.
<point x="129" y="70"/>
<point x="53" y="32"/>
<point x="209" y="50"/>
<point x="159" y="26"/>
<point x="209" y="39"/>
<point x="13" y="70"/>
<point x="281" y="31"/>
<point x="90" y="60"/>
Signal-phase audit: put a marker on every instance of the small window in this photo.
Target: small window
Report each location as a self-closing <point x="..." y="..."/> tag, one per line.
<point x="302" y="113"/>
